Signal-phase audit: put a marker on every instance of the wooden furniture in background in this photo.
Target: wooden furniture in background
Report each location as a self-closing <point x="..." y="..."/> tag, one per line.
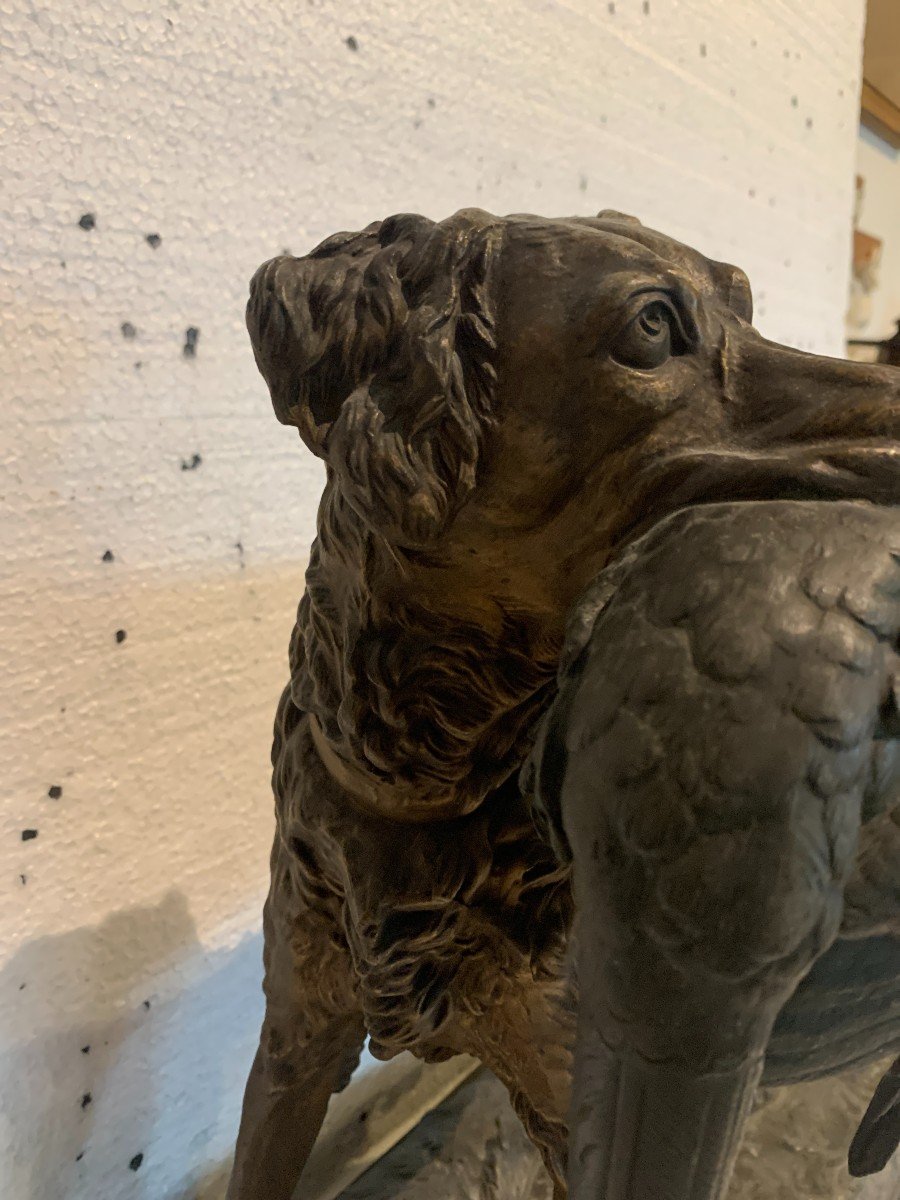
<point x="881" y="70"/>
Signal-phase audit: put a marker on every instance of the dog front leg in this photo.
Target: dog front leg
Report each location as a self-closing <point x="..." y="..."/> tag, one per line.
<point x="525" y="1039"/>
<point x="311" y="1039"/>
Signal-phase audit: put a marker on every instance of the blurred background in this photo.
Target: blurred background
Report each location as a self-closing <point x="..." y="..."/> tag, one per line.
<point x="156" y="519"/>
<point x="873" y="315"/>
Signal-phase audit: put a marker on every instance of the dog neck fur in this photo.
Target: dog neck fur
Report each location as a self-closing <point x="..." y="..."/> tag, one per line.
<point x="435" y="708"/>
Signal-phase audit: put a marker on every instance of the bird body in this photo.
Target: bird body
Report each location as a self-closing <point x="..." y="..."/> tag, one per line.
<point x="723" y="766"/>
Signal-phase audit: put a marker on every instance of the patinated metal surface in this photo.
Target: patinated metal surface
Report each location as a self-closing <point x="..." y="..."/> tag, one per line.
<point x="473" y="1148"/>
<point x="505" y="408"/>
<point x="732" y="682"/>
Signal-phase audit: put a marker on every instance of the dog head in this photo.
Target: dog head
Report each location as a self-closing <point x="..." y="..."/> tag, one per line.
<point x="503" y="405"/>
<point x="553" y="383"/>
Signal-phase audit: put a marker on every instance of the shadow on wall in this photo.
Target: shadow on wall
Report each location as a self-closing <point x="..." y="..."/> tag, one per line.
<point x="113" y="1091"/>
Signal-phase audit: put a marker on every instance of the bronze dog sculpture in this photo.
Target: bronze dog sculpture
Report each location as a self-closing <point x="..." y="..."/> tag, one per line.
<point x="505" y="407"/>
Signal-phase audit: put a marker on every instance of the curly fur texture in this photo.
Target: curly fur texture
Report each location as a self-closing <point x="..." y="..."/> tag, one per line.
<point x="380" y="347"/>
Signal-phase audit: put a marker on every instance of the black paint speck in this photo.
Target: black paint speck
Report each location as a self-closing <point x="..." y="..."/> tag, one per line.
<point x="703" y="49"/>
<point x="108" y="556"/>
<point x="135" y="1163"/>
<point x="432" y="103"/>
<point x="85" y="1049"/>
<point x="28" y="835"/>
<point x="239" y="546"/>
<point x="146" y="1004"/>
<point x="138" y="365"/>
<point x="646" y="8"/>
<point x="24" y="879"/>
<point x="86" y="1099"/>
<point x="351" y="43"/>
<point x="153" y="240"/>
<point x="121" y="635"/>
<point x="363" y="1117"/>
<point x="612" y="8"/>
<point x="191" y="338"/>
<point x="62" y="263"/>
<point x="128" y="330"/>
<point x="79" y="1156"/>
<point x="87" y="221"/>
<point x="55" y="792"/>
<point x="192" y="463"/>
<point x="22" y="987"/>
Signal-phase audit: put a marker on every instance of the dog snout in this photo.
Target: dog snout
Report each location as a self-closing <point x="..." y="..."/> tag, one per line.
<point x="781" y="395"/>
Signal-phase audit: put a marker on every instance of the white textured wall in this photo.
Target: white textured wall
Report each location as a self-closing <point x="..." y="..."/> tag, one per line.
<point x="234" y="129"/>
<point x="879" y="164"/>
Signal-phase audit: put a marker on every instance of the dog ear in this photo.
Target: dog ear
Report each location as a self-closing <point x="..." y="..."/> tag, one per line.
<point x="378" y="346"/>
<point x="315" y="322"/>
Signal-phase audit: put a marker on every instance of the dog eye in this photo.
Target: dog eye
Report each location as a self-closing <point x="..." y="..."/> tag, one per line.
<point x="650" y="338"/>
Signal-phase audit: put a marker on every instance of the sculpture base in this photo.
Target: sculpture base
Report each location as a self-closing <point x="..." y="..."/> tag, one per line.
<point x="473" y="1148"/>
